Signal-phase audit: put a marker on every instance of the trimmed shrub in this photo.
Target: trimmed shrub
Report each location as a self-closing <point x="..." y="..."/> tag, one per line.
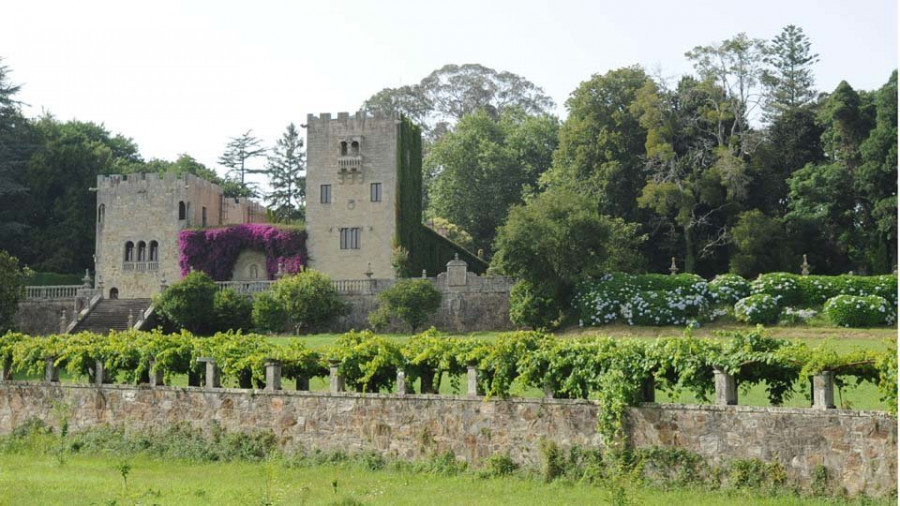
<point x="531" y="307"/>
<point x="268" y="313"/>
<point x="648" y="299"/>
<point x="856" y="311"/>
<point x="783" y="286"/>
<point x="308" y="298"/>
<point x="232" y="311"/>
<point x="410" y="300"/>
<point x="758" y="308"/>
<point x="189" y="303"/>
<point x="727" y="289"/>
<point x="658" y="307"/>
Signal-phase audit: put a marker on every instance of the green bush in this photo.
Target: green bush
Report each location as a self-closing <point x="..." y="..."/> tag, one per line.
<point x="410" y="300"/>
<point x="758" y="308"/>
<point x="782" y="286"/>
<point x="308" y="299"/>
<point x="727" y="289"/>
<point x="659" y="307"/>
<point x="530" y="306"/>
<point x="368" y="362"/>
<point x="268" y="313"/>
<point x="12" y="283"/>
<point x="189" y="303"/>
<point x="646" y="299"/>
<point x="856" y="311"/>
<point x="232" y="311"/>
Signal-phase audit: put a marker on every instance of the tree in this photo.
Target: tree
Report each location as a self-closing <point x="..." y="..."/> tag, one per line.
<point x="286" y="171"/>
<point x="411" y="300"/>
<point x="308" y="298"/>
<point x="238" y="152"/>
<point x="451" y="231"/>
<point x="788" y="80"/>
<point x="453" y="91"/>
<point x="190" y="303"/>
<point x="184" y="164"/>
<point x="483" y="167"/>
<point x="16" y="145"/>
<point x="758" y="241"/>
<point x="559" y="238"/>
<point x="12" y="289"/>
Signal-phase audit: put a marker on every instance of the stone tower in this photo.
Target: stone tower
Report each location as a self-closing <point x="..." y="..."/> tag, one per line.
<point x="138" y="220"/>
<point x="352" y="194"/>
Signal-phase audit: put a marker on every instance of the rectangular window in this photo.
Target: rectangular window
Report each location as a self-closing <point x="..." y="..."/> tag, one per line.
<point x="325" y="194"/>
<point x="350" y="238"/>
<point x="375" y="192"/>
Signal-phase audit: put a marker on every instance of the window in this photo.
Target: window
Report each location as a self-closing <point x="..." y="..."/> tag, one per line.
<point x="154" y="251"/>
<point x="182" y="210"/>
<point x="129" y="251"/>
<point x="204" y="217"/>
<point x="350" y="238"/>
<point x="354" y="148"/>
<point x="113" y="293"/>
<point x="344" y="148"/>
<point x="325" y="194"/>
<point x="101" y="213"/>
<point x="142" y="251"/>
<point x="375" y="192"/>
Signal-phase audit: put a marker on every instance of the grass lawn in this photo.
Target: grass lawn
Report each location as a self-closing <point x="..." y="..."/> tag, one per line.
<point x="33" y="478"/>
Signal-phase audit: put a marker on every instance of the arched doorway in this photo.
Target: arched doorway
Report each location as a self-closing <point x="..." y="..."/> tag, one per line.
<point x="114" y="293"/>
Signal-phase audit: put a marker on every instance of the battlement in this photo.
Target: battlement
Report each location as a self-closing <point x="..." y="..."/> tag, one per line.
<point x="357" y="116"/>
<point x="152" y="180"/>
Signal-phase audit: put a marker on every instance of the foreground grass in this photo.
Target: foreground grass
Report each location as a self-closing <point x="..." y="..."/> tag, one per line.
<point x="34" y="478"/>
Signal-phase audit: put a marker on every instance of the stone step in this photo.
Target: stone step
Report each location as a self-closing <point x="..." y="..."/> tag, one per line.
<point x="112" y="314"/>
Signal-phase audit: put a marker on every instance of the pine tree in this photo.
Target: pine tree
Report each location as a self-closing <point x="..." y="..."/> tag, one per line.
<point x="286" y="171"/>
<point x="789" y="78"/>
<point x="237" y="152"/>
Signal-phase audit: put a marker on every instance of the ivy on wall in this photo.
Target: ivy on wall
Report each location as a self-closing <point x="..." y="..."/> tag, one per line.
<point x="425" y="249"/>
<point x="215" y="250"/>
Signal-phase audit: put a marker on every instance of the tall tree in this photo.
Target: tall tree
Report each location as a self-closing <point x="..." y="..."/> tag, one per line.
<point x="788" y="79"/>
<point x="16" y="145"/>
<point x="286" y="171"/>
<point x="453" y="91"/>
<point x="238" y="152"/>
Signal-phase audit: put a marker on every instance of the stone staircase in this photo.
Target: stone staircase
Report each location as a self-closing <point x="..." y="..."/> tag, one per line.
<point x="111" y="314"/>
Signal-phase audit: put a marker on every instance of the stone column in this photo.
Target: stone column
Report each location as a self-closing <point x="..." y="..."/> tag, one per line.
<point x="472" y="377"/>
<point x="98" y="373"/>
<point x="336" y="380"/>
<point x="273" y="375"/>
<point x="130" y="319"/>
<point x="726" y="388"/>
<point x="302" y="384"/>
<point x="648" y="389"/>
<point x="823" y="390"/>
<point x="212" y="372"/>
<point x="548" y="390"/>
<point x="51" y="372"/>
<point x="401" y="382"/>
<point x="63" y="322"/>
<point x="156" y="374"/>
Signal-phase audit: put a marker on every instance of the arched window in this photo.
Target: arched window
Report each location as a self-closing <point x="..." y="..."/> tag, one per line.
<point x="343" y="148"/>
<point x="354" y="148"/>
<point x="182" y="210"/>
<point x="154" y="251"/>
<point x="113" y="293"/>
<point x="129" y="251"/>
<point x="142" y="251"/>
<point x="101" y="213"/>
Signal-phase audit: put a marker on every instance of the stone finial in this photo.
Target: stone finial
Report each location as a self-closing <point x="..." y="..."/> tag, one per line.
<point x="369" y="272"/>
<point x="63" y="322"/>
<point x="130" y="318"/>
<point x="86" y="279"/>
<point x="456" y="271"/>
<point x="401" y="382"/>
<point x="163" y="284"/>
<point x="673" y="269"/>
<point x="804" y="267"/>
<point x="480" y="253"/>
<point x="424" y="274"/>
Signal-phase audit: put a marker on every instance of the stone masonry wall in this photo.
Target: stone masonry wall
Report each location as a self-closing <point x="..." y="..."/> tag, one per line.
<point x="41" y="317"/>
<point x="859" y="450"/>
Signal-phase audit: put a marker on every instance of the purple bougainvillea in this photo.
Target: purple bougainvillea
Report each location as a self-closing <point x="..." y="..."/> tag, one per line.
<point x="215" y="251"/>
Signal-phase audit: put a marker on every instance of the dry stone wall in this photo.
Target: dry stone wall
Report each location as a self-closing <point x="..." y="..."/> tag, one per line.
<point x="858" y="450"/>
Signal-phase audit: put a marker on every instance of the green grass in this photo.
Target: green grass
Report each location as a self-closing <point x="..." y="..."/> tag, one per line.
<point x="32" y="478"/>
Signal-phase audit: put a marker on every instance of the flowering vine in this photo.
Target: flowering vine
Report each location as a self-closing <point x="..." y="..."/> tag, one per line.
<point x="215" y="250"/>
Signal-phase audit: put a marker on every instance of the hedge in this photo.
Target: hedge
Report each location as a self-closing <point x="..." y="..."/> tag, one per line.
<point x="856" y="311"/>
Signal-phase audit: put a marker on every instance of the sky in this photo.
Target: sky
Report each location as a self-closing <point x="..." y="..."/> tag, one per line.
<point x="184" y="77"/>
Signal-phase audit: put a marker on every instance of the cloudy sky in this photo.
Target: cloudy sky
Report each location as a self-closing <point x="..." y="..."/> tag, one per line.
<point x="183" y="77"/>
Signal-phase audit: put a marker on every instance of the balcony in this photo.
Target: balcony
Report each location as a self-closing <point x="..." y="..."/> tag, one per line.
<point x="140" y="266"/>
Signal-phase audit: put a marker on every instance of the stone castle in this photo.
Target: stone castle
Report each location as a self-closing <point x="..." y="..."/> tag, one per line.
<point x="352" y="211"/>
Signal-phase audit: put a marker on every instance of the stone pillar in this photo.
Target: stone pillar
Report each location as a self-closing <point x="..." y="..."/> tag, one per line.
<point x="51" y="372"/>
<point x="302" y="384"/>
<point x="156" y="375"/>
<point x="401" y="382"/>
<point x="212" y="372"/>
<point x="548" y="391"/>
<point x="273" y="375"/>
<point x="823" y="390"/>
<point x="648" y="389"/>
<point x="63" y="322"/>
<point x="130" y="319"/>
<point x="456" y="271"/>
<point x="336" y="380"/>
<point x="726" y="388"/>
<point x="98" y="373"/>
<point x="472" y="377"/>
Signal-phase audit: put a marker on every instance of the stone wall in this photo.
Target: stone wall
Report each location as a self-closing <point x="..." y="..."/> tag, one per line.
<point x="858" y="449"/>
<point x="41" y="317"/>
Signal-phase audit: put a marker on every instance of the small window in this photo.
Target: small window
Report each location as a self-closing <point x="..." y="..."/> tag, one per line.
<point x="113" y="293"/>
<point x="343" y="148"/>
<point x="350" y="238"/>
<point x="325" y="194"/>
<point x="154" y="251"/>
<point x="142" y="251"/>
<point x="101" y="213"/>
<point x="375" y="192"/>
<point x="129" y="251"/>
<point x="354" y="148"/>
<point x="203" y="217"/>
<point x="182" y="210"/>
